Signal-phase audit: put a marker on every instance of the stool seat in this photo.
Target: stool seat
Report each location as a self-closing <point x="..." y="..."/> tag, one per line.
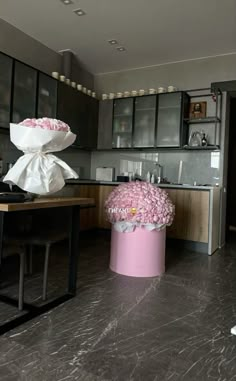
<point x="10" y="250"/>
<point x="41" y="238"/>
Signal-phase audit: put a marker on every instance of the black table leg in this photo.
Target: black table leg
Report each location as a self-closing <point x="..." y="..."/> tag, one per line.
<point x="73" y="248"/>
<point x="1" y="233"/>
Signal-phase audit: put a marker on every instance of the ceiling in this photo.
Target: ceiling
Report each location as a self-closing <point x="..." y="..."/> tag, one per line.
<point x="152" y="31"/>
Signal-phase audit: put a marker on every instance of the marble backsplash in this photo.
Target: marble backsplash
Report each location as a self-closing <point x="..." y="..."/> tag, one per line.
<point x="197" y="166"/>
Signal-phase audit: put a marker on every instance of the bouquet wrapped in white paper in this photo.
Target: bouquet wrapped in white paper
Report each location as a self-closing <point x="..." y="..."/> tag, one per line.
<point x="38" y="171"/>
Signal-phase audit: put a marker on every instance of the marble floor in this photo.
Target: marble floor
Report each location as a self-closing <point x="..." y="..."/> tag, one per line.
<point x="176" y="327"/>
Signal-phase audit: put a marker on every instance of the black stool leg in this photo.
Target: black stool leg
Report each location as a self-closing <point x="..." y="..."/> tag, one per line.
<point x="30" y="259"/>
<point x="45" y="273"/>
<point x="21" y="281"/>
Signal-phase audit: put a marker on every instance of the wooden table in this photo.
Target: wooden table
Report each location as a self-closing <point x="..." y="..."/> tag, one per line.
<point x="74" y="204"/>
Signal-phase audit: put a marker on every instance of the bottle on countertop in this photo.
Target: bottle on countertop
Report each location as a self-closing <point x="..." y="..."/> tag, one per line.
<point x="118" y="142"/>
<point x="148" y="177"/>
<point x="153" y="178"/>
<point x="204" y="140"/>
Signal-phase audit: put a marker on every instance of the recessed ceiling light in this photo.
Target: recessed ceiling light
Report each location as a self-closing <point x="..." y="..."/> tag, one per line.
<point x="113" y="42"/>
<point x="121" y="49"/>
<point x="67" y="2"/>
<point x="79" y="12"/>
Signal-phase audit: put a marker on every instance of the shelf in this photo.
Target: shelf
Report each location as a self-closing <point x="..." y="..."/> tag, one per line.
<point x="207" y="148"/>
<point x="209" y="119"/>
<point x="145" y="109"/>
<point x="168" y="107"/>
<point x="123" y="115"/>
<point x="122" y="132"/>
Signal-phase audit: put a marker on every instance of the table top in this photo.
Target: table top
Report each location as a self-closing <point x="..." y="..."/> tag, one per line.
<point x="46" y="202"/>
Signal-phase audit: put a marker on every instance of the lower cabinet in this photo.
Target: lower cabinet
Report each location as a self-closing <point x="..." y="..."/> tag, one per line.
<point x="191" y="215"/>
<point x="196" y="219"/>
<point x="104" y="192"/>
<point x="90" y="218"/>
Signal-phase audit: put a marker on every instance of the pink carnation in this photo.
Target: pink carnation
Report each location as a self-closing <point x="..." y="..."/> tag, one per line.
<point x="139" y="202"/>
<point x="46" y="124"/>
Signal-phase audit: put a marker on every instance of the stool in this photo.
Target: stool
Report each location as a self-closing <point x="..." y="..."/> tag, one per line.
<point x="43" y="238"/>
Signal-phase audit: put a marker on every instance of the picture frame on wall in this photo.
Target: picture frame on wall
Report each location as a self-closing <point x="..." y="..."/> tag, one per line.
<point x="198" y="110"/>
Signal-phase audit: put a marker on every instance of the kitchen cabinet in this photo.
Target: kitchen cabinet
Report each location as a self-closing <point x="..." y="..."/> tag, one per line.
<point x="149" y="121"/>
<point x="6" y="65"/>
<point x="191" y="215"/>
<point x="89" y="216"/>
<point x="92" y="115"/>
<point x="172" y="109"/>
<point x="123" y="123"/>
<point x="67" y="100"/>
<point x="197" y="217"/>
<point x="145" y="121"/>
<point x="104" y="191"/>
<point x="24" y="92"/>
<point x="93" y="217"/>
<point x="105" y="124"/>
<point x="80" y="112"/>
<point x="47" y="96"/>
<point x="197" y="213"/>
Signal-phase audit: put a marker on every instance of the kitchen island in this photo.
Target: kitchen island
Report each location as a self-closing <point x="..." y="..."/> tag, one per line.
<point x="197" y="219"/>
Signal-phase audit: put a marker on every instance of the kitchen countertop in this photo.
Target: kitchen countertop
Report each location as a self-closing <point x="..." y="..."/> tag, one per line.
<point x="162" y="185"/>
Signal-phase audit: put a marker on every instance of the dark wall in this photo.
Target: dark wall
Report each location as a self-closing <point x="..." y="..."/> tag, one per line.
<point x="19" y="45"/>
<point x="231" y="188"/>
<point x="25" y="48"/>
<point x="80" y="75"/>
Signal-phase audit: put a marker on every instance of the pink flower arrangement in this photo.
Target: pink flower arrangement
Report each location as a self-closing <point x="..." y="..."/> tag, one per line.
<point x="140" y="202"/>
<point x="46" y="124"/>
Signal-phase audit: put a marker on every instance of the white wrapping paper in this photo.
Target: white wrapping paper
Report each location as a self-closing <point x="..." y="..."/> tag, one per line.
<point x="128" y="227"/>
<point x="38" y="171"/>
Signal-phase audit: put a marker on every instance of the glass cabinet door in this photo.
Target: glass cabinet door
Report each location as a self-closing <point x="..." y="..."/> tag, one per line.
<point x="169" y="120"/>
<point x="47" y="97"/>
<point x="123" y="123"/>
<point x="145" y="121"/>
<point x="24" y="97"/>
<point x="5" y="89"/>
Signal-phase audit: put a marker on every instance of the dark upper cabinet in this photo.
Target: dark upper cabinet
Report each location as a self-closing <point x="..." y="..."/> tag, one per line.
<point x="93" y="106"/>
<point x="67" y="106"/>
<point x="80" y="112"/>
<point x="6" y="64"/>
<point x="47" y="96"/>
<point x="171" y="110"/>
<point x="105" y="124"/>
<point x="24" y="92"/>
<point x="145" y="121"/>
<point x="122" y="136"/>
